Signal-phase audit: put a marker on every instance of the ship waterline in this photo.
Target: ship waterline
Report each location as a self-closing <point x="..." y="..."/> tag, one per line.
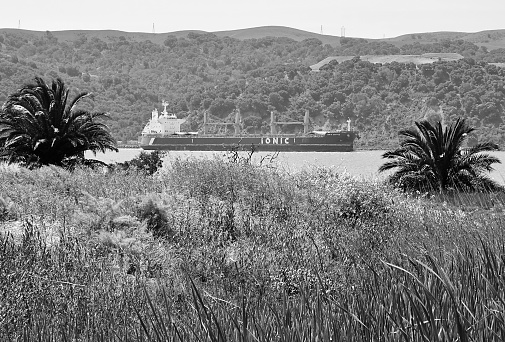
<point x="328" y="142"/>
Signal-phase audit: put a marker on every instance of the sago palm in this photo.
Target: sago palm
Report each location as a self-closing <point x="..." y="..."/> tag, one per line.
<point x="432" y="158"/>
<point x="40" y="125"/>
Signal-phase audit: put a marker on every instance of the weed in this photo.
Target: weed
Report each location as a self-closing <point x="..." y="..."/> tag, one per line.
<point x="6" y="209"/>
<point x="228" y="250"/>
<point x="155" y="218"/>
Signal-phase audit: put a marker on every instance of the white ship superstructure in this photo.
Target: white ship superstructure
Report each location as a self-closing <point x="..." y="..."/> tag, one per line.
<point x="163" y="124"/>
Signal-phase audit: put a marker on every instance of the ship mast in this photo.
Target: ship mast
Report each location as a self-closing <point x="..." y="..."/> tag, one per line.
<point x="165" y="112"/>
<point x="165" y="104"/>
<point x="238" y="120"/>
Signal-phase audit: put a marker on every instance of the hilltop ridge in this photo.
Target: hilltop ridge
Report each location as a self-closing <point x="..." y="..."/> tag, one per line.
<point x="491" y="39"/>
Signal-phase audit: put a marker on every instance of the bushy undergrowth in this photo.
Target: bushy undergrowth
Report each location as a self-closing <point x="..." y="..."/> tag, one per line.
<point x="226" y="249"/>
<point x="148" y="162"/>
<point x="155" y="218"/>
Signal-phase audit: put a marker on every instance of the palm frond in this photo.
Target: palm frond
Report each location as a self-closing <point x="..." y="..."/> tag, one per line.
<point x="483" y="147"/>
<point x="77" y="99"/>
<point x="431" y="157"/>
<point x="37" y="124"/>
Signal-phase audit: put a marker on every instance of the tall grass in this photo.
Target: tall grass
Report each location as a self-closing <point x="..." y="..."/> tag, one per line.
<point x="227" y="250"/>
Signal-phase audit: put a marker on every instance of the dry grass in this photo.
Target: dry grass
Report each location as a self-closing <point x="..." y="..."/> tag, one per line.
<point x="228" y="250"/>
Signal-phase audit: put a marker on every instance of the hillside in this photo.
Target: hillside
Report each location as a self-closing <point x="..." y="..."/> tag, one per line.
<point x="491" y="39"/>
<point x="278" y="31"/>
<point x="426" y="58"/>
<point x="104" y="35"/>
<point x="268" y="69"/>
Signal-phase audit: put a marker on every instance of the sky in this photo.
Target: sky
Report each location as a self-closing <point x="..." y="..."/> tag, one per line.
<point x="359" y="18"/>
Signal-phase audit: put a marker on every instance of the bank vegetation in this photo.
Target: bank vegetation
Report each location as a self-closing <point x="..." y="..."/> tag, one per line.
<point x="227" y="249"/>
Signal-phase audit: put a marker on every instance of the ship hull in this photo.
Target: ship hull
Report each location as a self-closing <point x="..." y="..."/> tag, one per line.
<point x="329" y="142"/>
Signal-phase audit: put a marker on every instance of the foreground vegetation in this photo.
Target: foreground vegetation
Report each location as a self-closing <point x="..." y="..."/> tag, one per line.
<point x="229" y="250"/>
<point x="40" y="125"/>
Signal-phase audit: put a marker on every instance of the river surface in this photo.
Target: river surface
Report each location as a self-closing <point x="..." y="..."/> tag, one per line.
<point x="357" y="163"/>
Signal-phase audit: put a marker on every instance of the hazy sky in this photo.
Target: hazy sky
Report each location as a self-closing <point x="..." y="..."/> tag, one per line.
<point x="361" y="18"/>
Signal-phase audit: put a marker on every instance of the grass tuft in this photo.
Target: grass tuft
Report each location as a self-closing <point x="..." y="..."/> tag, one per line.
<point x="226" y="249"/>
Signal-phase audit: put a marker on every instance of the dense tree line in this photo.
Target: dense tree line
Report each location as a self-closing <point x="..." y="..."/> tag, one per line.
<point x="203" y="72"/>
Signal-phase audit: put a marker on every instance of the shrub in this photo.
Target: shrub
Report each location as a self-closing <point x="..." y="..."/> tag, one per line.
<point x="6" y="209"/>
<point x="155" y="218"/>
<point x="148" y="162"/>
<point x="252" y="250"/>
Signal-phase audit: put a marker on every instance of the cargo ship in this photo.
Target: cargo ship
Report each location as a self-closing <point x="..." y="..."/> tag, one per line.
<point x="163" y="132"/>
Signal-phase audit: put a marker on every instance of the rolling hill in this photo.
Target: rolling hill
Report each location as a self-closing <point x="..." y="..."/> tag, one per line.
<point x="491" y="39"/>
<point x="258" y="70"/>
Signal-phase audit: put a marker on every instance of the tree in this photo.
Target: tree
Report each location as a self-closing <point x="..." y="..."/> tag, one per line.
<point x="433" y="158"/>
<point x="72" y="71"/>
<point x="38" y="126"/>
<point x="148" y="162"/>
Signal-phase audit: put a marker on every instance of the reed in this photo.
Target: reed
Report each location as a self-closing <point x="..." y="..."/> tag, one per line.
<point x="231" y="250"/>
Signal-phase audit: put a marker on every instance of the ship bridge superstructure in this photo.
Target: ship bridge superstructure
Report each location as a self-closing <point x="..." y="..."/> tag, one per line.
<point x="163" y="123"/>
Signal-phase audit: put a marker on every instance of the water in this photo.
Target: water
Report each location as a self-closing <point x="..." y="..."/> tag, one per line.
<point x="358" y="163"/>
